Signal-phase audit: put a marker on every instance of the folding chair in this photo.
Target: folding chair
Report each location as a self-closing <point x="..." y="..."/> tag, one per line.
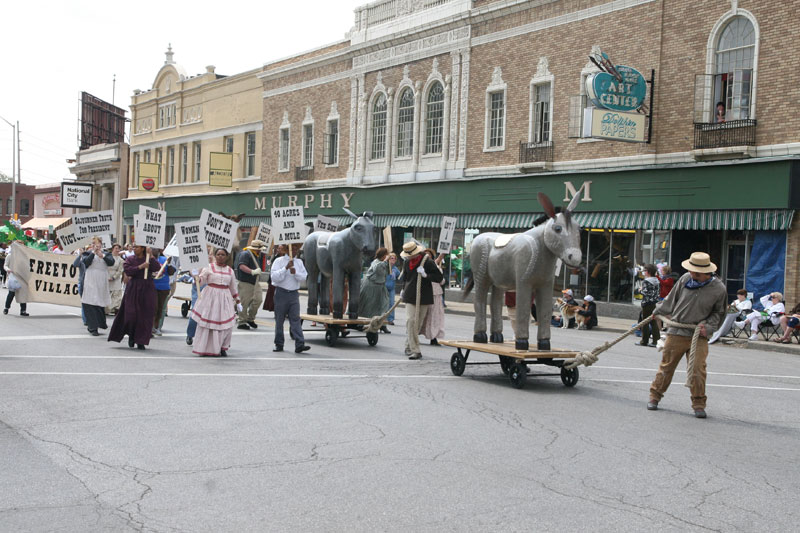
<point x="768" y="330"/>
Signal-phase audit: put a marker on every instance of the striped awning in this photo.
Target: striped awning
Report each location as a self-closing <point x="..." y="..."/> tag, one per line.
<point x="759" y="220"/>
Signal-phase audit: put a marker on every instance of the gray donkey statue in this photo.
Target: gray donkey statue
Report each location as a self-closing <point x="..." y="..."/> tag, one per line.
<point x="338" y="255"/>
<point x="523" y="262"/>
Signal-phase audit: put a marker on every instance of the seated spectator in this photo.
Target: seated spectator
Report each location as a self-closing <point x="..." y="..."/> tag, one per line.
<point x="773" y="310"/>
<point x="589" y="311"/>
<point x="569" y="299"/>
<point x="788" y="323"/>
<point x="738" y="310"/>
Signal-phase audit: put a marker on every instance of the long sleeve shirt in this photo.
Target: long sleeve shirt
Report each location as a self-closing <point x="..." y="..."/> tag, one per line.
<point x="692" y="306"/>
<point x="282" y="277"/>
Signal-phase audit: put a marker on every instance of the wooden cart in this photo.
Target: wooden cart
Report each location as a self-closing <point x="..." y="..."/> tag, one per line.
<point x="341" y="327"/>
<point x="513" y="362"/>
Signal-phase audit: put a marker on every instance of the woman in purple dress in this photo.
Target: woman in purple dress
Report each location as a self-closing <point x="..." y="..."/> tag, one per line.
<point x="135" y="315"/>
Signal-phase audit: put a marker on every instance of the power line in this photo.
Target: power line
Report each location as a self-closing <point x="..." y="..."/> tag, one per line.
<point x="51" y="144"/>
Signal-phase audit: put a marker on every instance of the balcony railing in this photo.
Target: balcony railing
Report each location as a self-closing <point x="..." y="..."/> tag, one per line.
<point x="383" y="11"/>
<point x="303" y="173"/>
<point x="535" y="152"/>
<point x="726" y="134"/>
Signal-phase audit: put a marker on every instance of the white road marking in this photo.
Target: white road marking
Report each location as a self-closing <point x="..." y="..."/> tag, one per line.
<point x="654" y="369"/>
<point x="707" y="384"/>
<point x="194" y="357"/>
<point x="181" y="335"/>
<point x="228" y="375"/>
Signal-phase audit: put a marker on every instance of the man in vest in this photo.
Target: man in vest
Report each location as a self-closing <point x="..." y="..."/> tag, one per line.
<point x="248" y="268"/>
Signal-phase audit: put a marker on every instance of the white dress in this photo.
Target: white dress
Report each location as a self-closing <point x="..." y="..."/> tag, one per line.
<point x="95" y="284"/>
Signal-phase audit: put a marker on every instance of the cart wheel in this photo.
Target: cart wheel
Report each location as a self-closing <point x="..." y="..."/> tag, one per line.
<point x="457" y="363"/>
<point x="185" y="309"/>
<point x="518" y="373"/>
<point x="330" y="336"/>
<point x="372" y="338"/>
<point x="569" y="377"/>
<point x="505" y="364"/>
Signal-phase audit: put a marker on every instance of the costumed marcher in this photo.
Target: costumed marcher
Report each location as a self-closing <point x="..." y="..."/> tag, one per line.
<point x="197" y="288"/>
<point x="78" y="262"/>
<point x="773" y="311"/>
<point x="215" y="309"/>
<point x="737" y="310"/>
<point x="433" y="325"/>
<point x="248" y="269"/>
<point x="286" y="274"/>
<point x="269" y="298"/>
<point x="589" y="311"/>
<point x="650" y="292"/>
<point x="135" y="315"/>
<point x="373" y="299"/>
<point x="417" y="270"/>
<point x="697" y="298"/>
<point x="161" y="283"/>
<point x="391" y="283"/>
<point x="788" y="324"/>
<point x="96" y="296"/>
<point x="115" y="272"/>
<point x="3" y="252"/>
<point x="15" y="288"/>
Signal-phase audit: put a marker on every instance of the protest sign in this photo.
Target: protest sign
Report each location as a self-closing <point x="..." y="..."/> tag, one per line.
<point x="264" y="233"/>
<point x="192" y="247"/>
<point x="323" y="223"/>
<point x="387" y="238"/>
<point x="71" y="242"/>
<point x="171" y="249"/>
<point x="288" y="225"/>
<point x="152" y="228"/>
<point x="220" y="232"/>
<point x="45" y="277"/>
<point x="446" y="235"/>
<point x="93" y="224"/>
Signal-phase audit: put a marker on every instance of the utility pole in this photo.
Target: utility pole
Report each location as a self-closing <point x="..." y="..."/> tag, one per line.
<point x="113" y="88"/>
<point x="14" y="155"/>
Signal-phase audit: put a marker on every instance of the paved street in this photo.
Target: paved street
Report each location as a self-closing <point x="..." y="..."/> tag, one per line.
<point x="98" y="437"/>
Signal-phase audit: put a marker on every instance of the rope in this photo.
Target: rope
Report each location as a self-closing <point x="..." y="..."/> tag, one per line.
<point x="376" y="322"/>
<point x="592" y="356"/>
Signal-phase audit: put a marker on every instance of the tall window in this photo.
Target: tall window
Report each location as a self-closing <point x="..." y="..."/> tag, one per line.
<point x="24" y="207"/>
<point x="1" y="206"/>
<point x="134" y="179"/>
<point x="160" y="161"/>
<point x="378" y="150"/>
<point x="196" y="176"/>
<point x="308" y="145"/>
<point x="331" y="154"/>
<point x="541" y="113"/>
<point x="405" y="124"/>
<point x="184" y="162"/>
<point x="9" y="207"/>
<point x="283" y="150"/>
<point x="166" y="115"/>
<point x="227" y="144"/>
<point x="250" y="142"/>
<point x="147" y="156"/>
<point x="733" y="81"/>
<point x="434" y="119"/>
<point x="497" y="111"/>
<point x="171" y="164"/>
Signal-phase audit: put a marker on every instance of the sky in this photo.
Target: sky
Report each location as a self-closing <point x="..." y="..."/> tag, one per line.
<point x="52" y="50"/>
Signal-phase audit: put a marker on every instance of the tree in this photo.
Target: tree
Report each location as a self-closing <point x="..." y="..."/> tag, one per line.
<point x="4" y="178"/>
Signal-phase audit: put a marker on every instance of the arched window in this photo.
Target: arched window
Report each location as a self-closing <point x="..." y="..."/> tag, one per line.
<point x="405" y="123"/>
<point x="733" y="80"/>
<point x="379" y="128"/>
<point x="434" y="119"/>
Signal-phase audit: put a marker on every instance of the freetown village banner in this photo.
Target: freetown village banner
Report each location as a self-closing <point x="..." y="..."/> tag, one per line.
<point x="45" y="277"/>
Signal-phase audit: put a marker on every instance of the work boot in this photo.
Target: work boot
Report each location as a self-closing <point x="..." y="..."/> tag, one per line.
<point x="699" y="413"/>
<point x="652" y="405"/>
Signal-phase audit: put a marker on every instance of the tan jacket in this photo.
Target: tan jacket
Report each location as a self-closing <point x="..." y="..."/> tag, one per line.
<point x="693" y="306"/>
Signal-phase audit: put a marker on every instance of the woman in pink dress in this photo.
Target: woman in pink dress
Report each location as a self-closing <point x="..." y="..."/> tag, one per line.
<point x="215" y="310"/>
<point x="433" y="325"/>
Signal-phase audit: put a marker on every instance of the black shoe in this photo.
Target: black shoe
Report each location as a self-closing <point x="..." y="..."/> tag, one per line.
<point x="252" y="324"/>
<point x="140" y="346"/>
<point x="303" y="348"/>
<point x="384" y="329"/>
<point x="653" y="345"/>
<point x="189" y="340"/>
<point x="23" y="313"/>
<point x="277" y="349"/>
<point x="434" y="342"/>
<point x="652" y="406"/>
<point x="94" y="333"/>
<point x="5" y="311"/>
<point x="130" y="342"/>
<point x="223" y="353"/>
<point x="699" y="413"/>
<point x="104" y="326"/>
<point x="415" y="356"/>
<point x="243" y="326"/>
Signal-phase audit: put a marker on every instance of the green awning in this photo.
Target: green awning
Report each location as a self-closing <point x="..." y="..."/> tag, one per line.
<point x="756" y="219"/>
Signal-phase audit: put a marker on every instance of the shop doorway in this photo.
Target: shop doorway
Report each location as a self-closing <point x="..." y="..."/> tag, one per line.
<point x="687" y="241"/>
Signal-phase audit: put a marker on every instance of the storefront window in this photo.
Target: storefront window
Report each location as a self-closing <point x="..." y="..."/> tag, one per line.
<point x="622" y="265"/>
<point x="599" y="245"/>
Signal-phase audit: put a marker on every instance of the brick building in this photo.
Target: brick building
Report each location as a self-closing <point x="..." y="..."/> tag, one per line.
<point x="472" y="107"/>
<point x="24" y="204"/>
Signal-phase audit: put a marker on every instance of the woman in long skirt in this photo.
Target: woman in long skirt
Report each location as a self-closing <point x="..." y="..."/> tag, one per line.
<point x="115" y="280"/>
<point x="373" y="299"/>
<point x="433" y="325"/>
<point x="135" y="315"/>
<point x="215" y="310"/>
<point x="95" y="297"/>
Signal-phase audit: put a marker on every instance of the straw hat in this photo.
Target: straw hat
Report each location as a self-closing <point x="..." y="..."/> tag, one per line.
<point x="256" y="244"/>
<point x="411" y="248"/>
<point x="699" y="262"/>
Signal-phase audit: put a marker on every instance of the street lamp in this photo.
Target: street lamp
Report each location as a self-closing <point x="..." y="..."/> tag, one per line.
<point x="13" y="166"/>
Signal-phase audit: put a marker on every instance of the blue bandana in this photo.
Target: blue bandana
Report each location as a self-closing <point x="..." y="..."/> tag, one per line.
<point x="692" y="284"/>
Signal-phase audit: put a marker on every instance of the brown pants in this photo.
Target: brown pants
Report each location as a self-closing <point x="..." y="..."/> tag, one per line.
<point x="675" y="348"/>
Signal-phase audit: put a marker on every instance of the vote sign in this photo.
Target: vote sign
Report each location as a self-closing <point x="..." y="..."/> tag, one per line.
<point x="323" y="223"/>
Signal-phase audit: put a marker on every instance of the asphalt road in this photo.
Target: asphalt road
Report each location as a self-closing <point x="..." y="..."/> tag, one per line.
<point x="95" y="436"/>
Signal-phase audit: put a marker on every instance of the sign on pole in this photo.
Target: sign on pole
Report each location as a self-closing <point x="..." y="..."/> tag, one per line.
<point x="76" y="195"/>
<point x="446" y="235"/>
<point x="192" y="247"/>
<point x="93" y="224"/>
<point x="264" y="233"/>
<point x="288" y="225"/>
<point x="149" y="177"/>
<point x="69" y="241"/>
<point x="220" y="169"/>
<point x="323" y="223"/>
<point x="220" y="231"/>
<point x="152" y="227"/>
<point x="387" y="238"/>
